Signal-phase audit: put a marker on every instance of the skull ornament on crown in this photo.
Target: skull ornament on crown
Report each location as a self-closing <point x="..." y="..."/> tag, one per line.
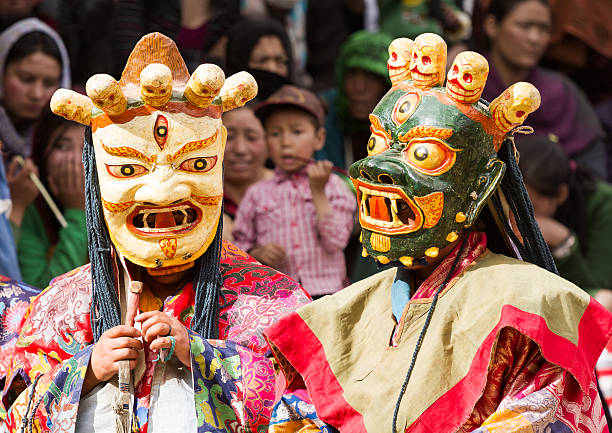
<point x="467" y="77"/>
<point x="400" y="55"/>
<point x="428" y="64"/>
<point x="158" y="141"/>
<point x="432" y="155"/>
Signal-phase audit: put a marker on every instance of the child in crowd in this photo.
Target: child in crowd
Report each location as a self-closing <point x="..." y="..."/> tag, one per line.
<point x="299" y="221"/>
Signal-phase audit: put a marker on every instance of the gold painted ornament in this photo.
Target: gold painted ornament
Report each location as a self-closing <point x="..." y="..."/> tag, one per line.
<point x="106" y="94"/>
<point x="72" y="105"/>
<point x="156" y="84"/>
<point x="432" y="252"/>
<point x="510" y="109"/>
<point x="382" y="259"/>
<point x="204" y="85"/>
<point x="380" y="242"/>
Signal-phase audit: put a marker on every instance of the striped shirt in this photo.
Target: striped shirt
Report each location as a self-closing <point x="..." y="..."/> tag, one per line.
<point x="280" y="210"/>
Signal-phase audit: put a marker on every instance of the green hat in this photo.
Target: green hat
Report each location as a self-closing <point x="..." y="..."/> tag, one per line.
<point x="364" y="50"/>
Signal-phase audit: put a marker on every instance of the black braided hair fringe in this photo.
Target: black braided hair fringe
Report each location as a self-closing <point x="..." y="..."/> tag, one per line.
<point x="533" y="248"/>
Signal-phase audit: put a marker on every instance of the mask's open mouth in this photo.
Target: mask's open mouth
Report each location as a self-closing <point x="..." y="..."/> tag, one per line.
<point x="163" y="221"/>
<point x="387" y="209"/>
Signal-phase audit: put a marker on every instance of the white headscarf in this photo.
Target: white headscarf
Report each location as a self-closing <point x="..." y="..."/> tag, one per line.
<point x="13" y="33"/>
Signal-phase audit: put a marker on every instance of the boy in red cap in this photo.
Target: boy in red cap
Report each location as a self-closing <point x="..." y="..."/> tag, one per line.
<point x="300" y="220"/>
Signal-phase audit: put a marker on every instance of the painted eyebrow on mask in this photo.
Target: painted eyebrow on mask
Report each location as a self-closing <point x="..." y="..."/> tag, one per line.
<point x="376" y="126"/>
<point x="426" y="132"/>
<point x="193" y="145"/>
<point x="128" y="152"/>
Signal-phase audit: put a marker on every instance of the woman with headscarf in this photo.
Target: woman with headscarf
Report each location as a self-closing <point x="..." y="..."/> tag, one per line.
<point x="260" y="46"/>
<point x="33" y="64"/>
<point x="519" y="33"/>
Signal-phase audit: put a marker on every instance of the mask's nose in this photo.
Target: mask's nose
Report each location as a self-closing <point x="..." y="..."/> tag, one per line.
<point x="162" y="188"/>
<point x="381" y="169"/>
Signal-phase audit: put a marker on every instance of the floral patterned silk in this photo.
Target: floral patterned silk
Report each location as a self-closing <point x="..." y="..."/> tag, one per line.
<point x="14" y="300"/>
<point x="233" y="379"/>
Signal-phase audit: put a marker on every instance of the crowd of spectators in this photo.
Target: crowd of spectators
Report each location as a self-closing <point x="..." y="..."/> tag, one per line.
<point x="286" y="200"/>
<point x="335" y="49"/>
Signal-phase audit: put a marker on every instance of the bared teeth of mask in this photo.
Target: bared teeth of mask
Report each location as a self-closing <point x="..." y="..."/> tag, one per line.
<point x="395" y="218"/>
<point x="179" y="217"/>
<point x="149" y="220"/>
<point x="364" y="203"/>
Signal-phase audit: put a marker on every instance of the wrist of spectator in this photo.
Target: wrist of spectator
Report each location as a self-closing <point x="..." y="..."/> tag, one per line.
<point x="564" y="249"/>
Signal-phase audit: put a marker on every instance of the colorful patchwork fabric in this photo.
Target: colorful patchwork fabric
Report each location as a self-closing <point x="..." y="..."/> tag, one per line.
<point x="295" y="413"/>
<point x="14" y="300"/>
<point x="510" y="348"/>
<point x="524" y="393"/>
<point x="233" y="380"/>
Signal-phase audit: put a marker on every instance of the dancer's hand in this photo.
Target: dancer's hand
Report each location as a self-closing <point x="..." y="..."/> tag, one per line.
<point x="116" y="344"/>
<point x="157" y="326"/>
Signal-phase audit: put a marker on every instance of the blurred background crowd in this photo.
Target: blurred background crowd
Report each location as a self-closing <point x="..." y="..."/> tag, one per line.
<point x="337" y="49"/>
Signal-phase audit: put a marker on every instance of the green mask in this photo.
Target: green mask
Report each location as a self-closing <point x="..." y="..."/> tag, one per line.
<point x="432" y="161"/>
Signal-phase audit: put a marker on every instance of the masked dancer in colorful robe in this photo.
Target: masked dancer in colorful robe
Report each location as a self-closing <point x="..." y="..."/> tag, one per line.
<point x="163" y="331"/>
<point x="456" y="335"/>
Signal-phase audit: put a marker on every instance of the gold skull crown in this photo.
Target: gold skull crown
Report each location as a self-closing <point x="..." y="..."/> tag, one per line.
<point x="422" y="63"/>
<point x="158" y="82"/>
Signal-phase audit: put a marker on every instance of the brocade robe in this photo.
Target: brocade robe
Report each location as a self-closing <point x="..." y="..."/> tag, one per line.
<point x="510" y="348"/>
<point x="232" y="379"/>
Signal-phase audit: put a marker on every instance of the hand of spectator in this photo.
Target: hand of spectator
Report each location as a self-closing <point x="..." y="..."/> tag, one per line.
<point x="116" y="344"/>
<point x="272" y="255"/>
<point x="553" y="231"/>
<point x="318" y="175"/>
<point x="67" y="182"/>
<point x="23" y="190"/>
<point x="157" y="326"/>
